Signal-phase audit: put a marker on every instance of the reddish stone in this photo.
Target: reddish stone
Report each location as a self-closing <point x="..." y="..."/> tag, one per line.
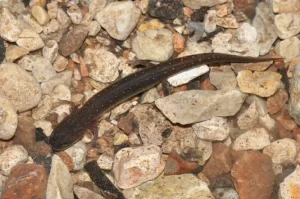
<point x="66" y="159"/>
<point x="206" y="85"/>
<point x="26" y="181"/>
<point x="125" y="123"/>
<point x="41" y="149"/>
<point x="175" y="164"/>
<point x="219" y="163"/>
<point x="282" y="132"/>
<point x="4" y="144"/>
<point x="276" y="102"/>
<point x="25" y="133"/>
<point x="253" y="175"/>
<point x="284" y="118"/>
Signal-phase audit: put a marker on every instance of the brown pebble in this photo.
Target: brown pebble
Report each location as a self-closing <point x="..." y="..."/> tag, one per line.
<point x="26" y="181"/>
<point x="125" y="123"/>
<point x="284" y="118"/>
<point x="253" y="175"/>
<point x="92" y="152"/>
<point x="206" y="85"/>
<point x="66" y="159"/>
<point x="277" y="101"/>
<point x="25" y="133"/>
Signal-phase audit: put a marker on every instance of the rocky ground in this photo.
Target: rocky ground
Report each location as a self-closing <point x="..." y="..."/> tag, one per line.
<point x="223" y="131"/>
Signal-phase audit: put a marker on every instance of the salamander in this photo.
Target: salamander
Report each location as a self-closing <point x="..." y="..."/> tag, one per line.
<point x="72" y="128"/>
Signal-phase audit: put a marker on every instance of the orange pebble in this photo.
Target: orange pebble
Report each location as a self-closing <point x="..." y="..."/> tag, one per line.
<point x="188" y="11"/>
<point x="83" y="69"/>
<point x="179" y="42"/>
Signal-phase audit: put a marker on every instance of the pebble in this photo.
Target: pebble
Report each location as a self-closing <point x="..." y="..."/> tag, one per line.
<point x="223" y="80"/>
<point x="45" y="125"/>
<point x="282" y="151"/>
<point x="253" y="175"/>
<point x="263" y="84"/>
<point x="288" y="48"/>
<point x="72" y="41"/>
<point x="197" y="4"/>
<point x="193" y="47"/>
<point x="50" y="50"/>
<point x="8" y="118"/>
<point x="75" y="14"/>
<point x="3" y="179"/>
<point x="10" y="27"/>
<point x="172" y="186"/>
<point x="287" y="25"/>
<point x="210" y="24"/>
<point x="32" y="23"/>
<point x="215" y="129"/>
<point x="78" y="154"/>
<point x="102" y="63"/>
<point x="285" y="120"/>
<point x="160" y="40"/>
<point x="246" y="33"/>
<point x="42" y="69"/>
<point x="60" y="184"/>
<point x="133" y="166"/>
<point x="14" y="52"/>
<point x="277" y="101"/>
<point x="61" y="93"/>
<point x="60" y="63"/>
<point x="289" y="187"/>
<point x="93" y="28"/>
<point x="151" y="124"/>
<point x="30" y="40"/>
<point x="219" y="163"/>
<point x="11" y="156"/>
<point x="186" y="76"/>
<point x="280" y="6"/>
<point x="20" y="88"/>
<point x="199" y="105"/>
<point x="60" y="78"/>
<point x="249" y="118"/>
<point x="26" y="181"/>
<point x="165" y="9"/>
<point x="119" y="18"/>
<point x="51" y="27"/>
<point x="63" y="19"/>
<point x="40" y="14"/>
<point x="226" y="193"/>
<point x="254" y="139"/>
<point x="43" y="108"/>
<point x="228" y="21"/>
<point x="260" y="103"/>
<point x="149" y="96"/>
<point x="52" y="9"/>
<point x="120" y="109"/>
<point x="84" y="193"/>
<point x="264" y="24"/>
<point x="105" y="162"/>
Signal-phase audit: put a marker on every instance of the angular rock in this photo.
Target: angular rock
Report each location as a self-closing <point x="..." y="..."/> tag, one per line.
<point x="119" y="18"/>
<point x="288" y="48"/>
<point x="61" y="78"/>
<point x="84" y="193"/>
<point x="249" y="118"/>
<point x="165" y="9"/>
<point x="294" y="91"/>
<point x="30" y="40"/>
<point x="277" y="101"/>
<point x="199" y="105"/>
<point x="286" y="6"/>
<point x="19" y="87"/>
<point x="75" y="14"/>
<point x="287" y="25"/>
<point x="42" y="68"/>
<point x="223" y="80"/>
<point x="10" y="27"/>
<point x="78" y="154"/>
<point x="196" y="4"/>
<point x="289" y="187"/>
<point x="14" y="52"/>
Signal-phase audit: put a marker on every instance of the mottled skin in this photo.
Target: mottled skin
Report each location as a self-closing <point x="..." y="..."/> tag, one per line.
<point x="71" y="129"/>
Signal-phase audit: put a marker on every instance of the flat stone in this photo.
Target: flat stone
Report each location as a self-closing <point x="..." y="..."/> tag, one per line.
<point x="30" y="40"/>
<point x="75" y="14"/>
<point x="287" y="25"/>
<point x="263" y="84"/>
<point x="61" y="78"/>
<point x="294" y="91"/>
<point x="40" y="14"/>
<point x="196" y="4"/>
<point x="253" y="175"/>
<point x="14" y="52"/>
<point x="50" y="50"/>
<point x="199" y="105"/>
<point x="43" y="108"/>
<point x="20" y="88"/>
<point x="134" y="166"/>
<point x="84" y="193"/>
<point x="72" y="41"/>
<point x="10" y="27"/>
<point x="26" y="181"/>
<point x="223" y="80"/>
<point x="119" y="18"/>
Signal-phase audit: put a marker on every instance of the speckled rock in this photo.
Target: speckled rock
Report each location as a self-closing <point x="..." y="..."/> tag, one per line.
<point x="60" y="184"/>
<point x="288" y="48"/>
<point x="286" y="6"/>
<point x="42" y="68"/>
<point x="62" y="18"/>
<point x="72" y="41"/>
<point x="75" y="14"/>
<point x="255" y="139"/>
<point x="30" y="40"/>
<point x="196" y="4"/>
<point x="105" y="162"/>
<point x="263" y="84"/>
<point x="40" y="14"/>
<point x="43" y="108"/>
<point x="11" y="156"/>
<point x="60" y="63"/>
<point x="289" y="187"/>
<point x="119" y="18"/>
<point x="20" y="88"/>
<point x="50" y="50"/>
<point x="165" y="9"/>
<point x="199" y="105"/>
<point x="33" y="187"/>
<point x="246" y="33"/>
<point x="253" y="175"/>
<point x="223" y="80"/>
<point x="9" y="118"/>
<point x="61" y="93"/>
<point x="10" y="27"/>
<point x="215" y="129"/>
<point x="155" y="45"/>
<point x="51" y="27"/>
<point x="287" y="25"/>
<point x="277" y="101"/>
<point x="61" y="78"/>
<point x="294" y="91"/>
<point x="264" y="24"/>
<point x="165" y="187"/>
<point x="31" y="23"/>
<point x="103" y="64"/>
<point x="78" y="154"/>
<point x="281" y="151"/>
<point x="14" y="52"/>
<point x="133" y="166"/>
<point x="249" y="118"/>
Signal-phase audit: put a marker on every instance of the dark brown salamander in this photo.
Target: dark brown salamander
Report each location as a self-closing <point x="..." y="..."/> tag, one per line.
<point x="71" y="129"/>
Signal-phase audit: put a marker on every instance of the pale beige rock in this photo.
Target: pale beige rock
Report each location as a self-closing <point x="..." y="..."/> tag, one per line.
<point x="32" y="23"/>
<point x="75" y="14"/>
<point x="14" y="52"/>
<point x="287" y="25"/>
<point x="52" y="9"/>
<point x="50" y="50"/>
<point x="288" y="48"/>
<point x="60" y="63"/>
<point x="263" y="84"/>
<point x="45" y="125"/>
<point x="246" y="33"/>
<point x="30" y="40"/>
<point x="120" y="138"/>
<point x="286" y="6"/>
<point x="40" y="14"/>
<point x="78" y="154"/>
<point x="51" y="27"/>
<point x="61" y="78"/>
<point x="249" y="118"/>
<point x="84" y="193"/>
<point x="105" y="162"/>
<point x="61" y="93"/>
<point x="42" y="69"/>
<point x="62" y="18"/>
<point x="43" y="108"/>
<point x="10" y="27"/>
<point x="120" y="109"/>
<point x="289" y="187"/>
<point x="196" y="4"/>
<point x="210" y="21"/>
<point x="227" y="22"/>
<point x="93" y="28"/>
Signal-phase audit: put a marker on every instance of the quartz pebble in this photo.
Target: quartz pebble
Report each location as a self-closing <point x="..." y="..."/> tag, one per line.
<point x="78" y="154"/>
<point x="133" y="166"/>
<point x="60" y="63"/>
<point x="61" y="93"/>
<point x="14" y="52"/>
<point x="287" y="25"/>
<point x="246" y="33"/>
<point x="30" y="40"/>
<point x="50" y="50"/>
<point x="263" y="84"/>
<point x="255" y="139"/>
<point x="198" y="105"/>
<point x="20" y="88"/>
<point x="8" y="118"/>
<point x="165" y="187"/>
<point x="160" y="40"/>
<point x="288" y="48"/>
<point x="281" y="151"/>
<point x="10" y="27"/>
<point x="289" y="187"/>
<point x="60" y="78"/>
<point x="40" y="14"/>
<point x="60" y="184"/>
<point x="62" y="18"/>
<point x="11" y="156"/>
<point x="51" y="27"/>
<point x="93" y="28"/>
<point x="215" y="129"/>
<point x="35" y="186"/>
<point x="119" y="18"/>
<point x="75" y="14"/>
